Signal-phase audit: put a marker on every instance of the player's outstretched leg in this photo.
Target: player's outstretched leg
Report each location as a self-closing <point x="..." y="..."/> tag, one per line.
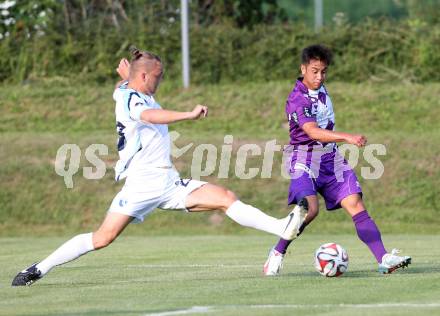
<point x="274" y="262"/>
<point x="79" y="245"/>
<point x="369" y="234"/>
<point x="212" y="197"/>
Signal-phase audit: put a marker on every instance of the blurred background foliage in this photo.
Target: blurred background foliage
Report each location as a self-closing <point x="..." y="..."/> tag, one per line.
<point x="231" y="40"/>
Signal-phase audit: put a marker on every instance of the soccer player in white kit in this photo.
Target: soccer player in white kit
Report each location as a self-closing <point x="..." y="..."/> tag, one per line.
<point x="151" y="180"/>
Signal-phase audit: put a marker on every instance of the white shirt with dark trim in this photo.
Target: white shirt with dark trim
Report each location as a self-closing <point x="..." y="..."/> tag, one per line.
<point x="141" y="145"/>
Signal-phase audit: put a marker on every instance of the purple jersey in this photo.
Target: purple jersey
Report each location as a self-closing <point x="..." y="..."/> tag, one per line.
<point x="303" y="106"/>
<point x="315" y="167"/>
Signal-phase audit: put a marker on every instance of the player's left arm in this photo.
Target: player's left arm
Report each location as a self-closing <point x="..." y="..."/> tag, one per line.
<point x="326" y="136"/>
<point x="161" y="116"/>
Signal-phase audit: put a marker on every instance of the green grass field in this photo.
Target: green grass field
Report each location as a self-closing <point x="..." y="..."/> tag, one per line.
<point x="219" y="275"/>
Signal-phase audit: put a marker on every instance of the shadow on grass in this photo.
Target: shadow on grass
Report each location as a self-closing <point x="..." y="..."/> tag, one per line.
<point x="425" y="269"/>
<point x="431" y="269"/>
<point x="369" y="273"/>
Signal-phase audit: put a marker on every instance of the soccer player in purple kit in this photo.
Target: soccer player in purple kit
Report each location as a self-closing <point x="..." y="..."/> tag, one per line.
<point x="315" y="165"/>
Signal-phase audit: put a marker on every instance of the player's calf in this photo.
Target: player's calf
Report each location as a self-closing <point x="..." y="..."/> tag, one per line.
<point x="312" y="209"/>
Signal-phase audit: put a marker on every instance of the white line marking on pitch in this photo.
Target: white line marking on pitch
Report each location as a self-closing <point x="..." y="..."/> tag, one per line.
<point x="192" y="310"/>
<point x="210" y="309"/>
<point x="172" y="266"/>
<point x="379" y="305"/>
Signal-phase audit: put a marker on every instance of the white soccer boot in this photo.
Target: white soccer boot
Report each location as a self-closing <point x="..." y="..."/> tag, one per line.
<point x="391" y="262"/>
<point x="274" y="263"/>
<point x="295" y="220"/>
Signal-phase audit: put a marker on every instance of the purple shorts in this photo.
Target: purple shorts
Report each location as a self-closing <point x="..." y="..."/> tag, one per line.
<point x="332" y="177"/>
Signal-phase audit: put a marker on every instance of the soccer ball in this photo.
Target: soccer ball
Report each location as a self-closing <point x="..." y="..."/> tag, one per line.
<point x="331" y="260"/>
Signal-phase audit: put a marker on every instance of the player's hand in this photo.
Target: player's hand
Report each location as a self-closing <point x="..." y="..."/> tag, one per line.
<point x="123" y="69"/>
<point x="358" y="140"/>
<point x="198" y="112"/>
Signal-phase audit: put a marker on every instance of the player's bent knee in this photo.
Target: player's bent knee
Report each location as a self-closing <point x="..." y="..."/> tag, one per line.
<point x="231" y="196"/>
<point x="353" y="204"/>
<point x="228" y="198"/>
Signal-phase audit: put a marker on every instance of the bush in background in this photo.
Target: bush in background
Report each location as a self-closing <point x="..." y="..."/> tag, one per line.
<point x="86" y="39"/>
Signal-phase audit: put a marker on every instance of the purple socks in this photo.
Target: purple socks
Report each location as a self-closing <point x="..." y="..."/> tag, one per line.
<point x="369" y="234"/>
<point x="282" y="245"/>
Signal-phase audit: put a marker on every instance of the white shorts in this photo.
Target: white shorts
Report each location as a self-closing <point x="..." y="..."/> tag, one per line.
<point x="161" y="188"/>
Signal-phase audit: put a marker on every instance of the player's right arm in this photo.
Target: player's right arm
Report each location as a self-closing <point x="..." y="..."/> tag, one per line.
<point x="326" y="136"/>
<point x="161" y="116"/>
<point x="123" y="71"/>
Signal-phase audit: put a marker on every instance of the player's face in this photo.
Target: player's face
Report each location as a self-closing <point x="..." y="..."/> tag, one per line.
<point x="152" y="79"/>
<point x="314" y="74"/>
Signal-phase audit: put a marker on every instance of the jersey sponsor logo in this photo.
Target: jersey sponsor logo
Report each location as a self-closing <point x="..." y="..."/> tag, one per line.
<point x="122" y="203"/>
<point x="308" y="112"/>
<point x="139" y="103"/>
<point x="315" y="103"/>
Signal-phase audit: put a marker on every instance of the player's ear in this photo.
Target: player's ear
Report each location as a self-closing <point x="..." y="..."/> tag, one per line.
<point x="144" y="76"/>
<point x="303" y="69"/>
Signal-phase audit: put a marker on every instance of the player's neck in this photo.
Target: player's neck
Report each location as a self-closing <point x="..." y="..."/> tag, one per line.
<point x="139" y="88"/>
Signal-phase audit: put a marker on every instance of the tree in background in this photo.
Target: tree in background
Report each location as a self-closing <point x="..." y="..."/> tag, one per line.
<point x="25" y="18"/>
<point x="229" y="38"/>
<point x="427" y="11"/>
<point x="240" y="13"/>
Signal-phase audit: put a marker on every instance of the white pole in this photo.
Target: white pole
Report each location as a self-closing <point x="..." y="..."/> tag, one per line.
<point x="185" y="42"/>
<point x="319" y="18"/>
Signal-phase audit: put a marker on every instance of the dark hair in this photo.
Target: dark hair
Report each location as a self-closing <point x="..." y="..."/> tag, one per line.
<point x="318" y="52"/>
<point x="137" y="54"/>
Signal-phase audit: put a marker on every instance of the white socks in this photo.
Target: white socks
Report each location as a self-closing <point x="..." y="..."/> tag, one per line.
<point x="250" y="216"/>
<point x="70" y="250"/>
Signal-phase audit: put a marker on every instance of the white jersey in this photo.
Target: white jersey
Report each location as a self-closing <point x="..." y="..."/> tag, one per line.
<point x="142" y="146"/>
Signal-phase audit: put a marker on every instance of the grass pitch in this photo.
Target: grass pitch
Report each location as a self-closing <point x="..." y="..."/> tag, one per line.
<point x="219" y="275"/>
